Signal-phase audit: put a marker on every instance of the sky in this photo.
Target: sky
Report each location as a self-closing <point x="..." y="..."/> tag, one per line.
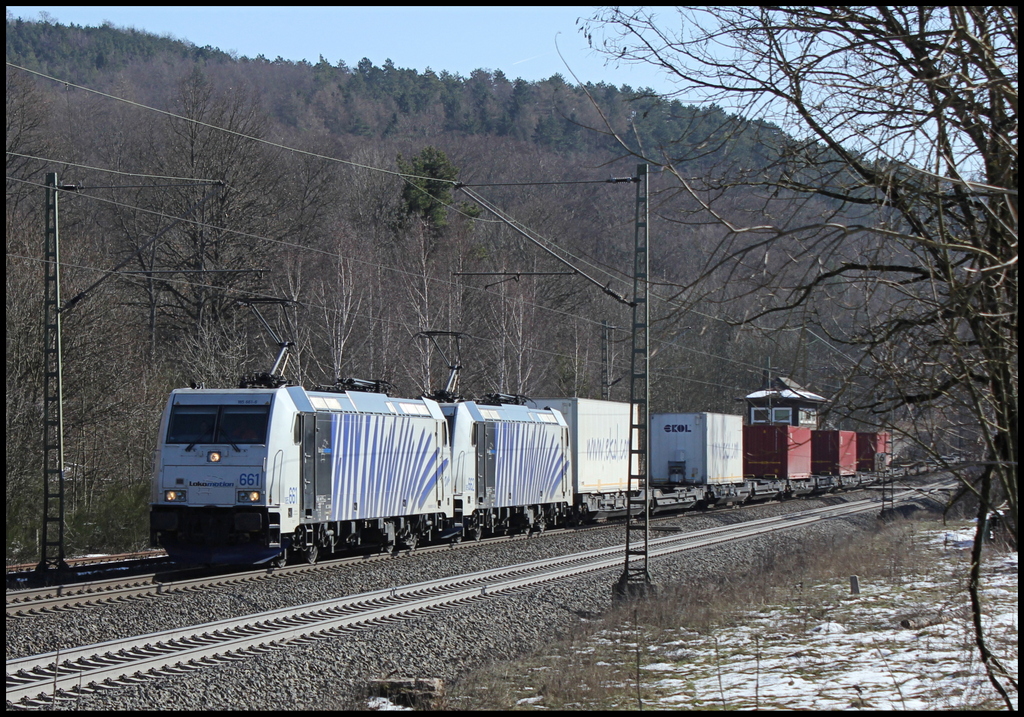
<point x="519" y="41"/>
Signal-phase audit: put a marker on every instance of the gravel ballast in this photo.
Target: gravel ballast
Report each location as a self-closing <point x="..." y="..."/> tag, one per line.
<point x="334" y="673"/>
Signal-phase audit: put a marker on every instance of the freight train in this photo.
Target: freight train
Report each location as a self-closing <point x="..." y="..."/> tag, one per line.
<point x="251" y="475"/>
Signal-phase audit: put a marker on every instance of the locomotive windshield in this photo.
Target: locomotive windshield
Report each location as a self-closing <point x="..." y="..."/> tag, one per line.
<point x="242" y="424"/>
<point x="218" y="424"/>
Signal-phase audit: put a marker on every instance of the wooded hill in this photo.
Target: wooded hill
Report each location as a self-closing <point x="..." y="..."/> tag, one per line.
<point x="313" y="210"/>
<point x="378" y="102"/>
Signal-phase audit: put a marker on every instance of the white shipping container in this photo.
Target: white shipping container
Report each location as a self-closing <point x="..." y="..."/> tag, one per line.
<point x="696" y="448"/>
<point x="599" y="439"/>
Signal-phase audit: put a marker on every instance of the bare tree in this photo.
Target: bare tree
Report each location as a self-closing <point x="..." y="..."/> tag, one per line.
<point x="886" y="205"/>
<point x="220" y="246"/>
<point x="337" y="297"/>
<point x="26" y="137"/>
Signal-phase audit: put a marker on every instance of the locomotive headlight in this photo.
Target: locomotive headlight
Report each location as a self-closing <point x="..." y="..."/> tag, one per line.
<point x="213" y="457"/>
<point x="174" y="496"/>
<point x="248" y="496"/>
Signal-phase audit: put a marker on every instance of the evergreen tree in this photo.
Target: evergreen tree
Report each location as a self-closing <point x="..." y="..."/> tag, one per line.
<point x="428" y="188"/>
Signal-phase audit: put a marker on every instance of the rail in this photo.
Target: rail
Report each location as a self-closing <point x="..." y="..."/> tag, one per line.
<point x="41" y="679"/>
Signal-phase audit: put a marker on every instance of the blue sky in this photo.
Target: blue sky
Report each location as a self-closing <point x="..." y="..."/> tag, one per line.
<point x="520" y="41"/>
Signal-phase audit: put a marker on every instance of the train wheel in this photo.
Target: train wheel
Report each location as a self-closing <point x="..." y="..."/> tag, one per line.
<point x="311" y="554"/>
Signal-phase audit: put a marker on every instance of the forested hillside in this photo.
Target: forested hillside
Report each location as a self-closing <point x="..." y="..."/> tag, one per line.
<point x="313" y="210"/>
<point x="377" y="102"/>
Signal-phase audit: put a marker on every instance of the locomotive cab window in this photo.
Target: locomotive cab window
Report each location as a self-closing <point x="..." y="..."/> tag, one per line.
<point x="218" y="424"/>
<point x="191" y="424"/>
<point x="242" y="424"/>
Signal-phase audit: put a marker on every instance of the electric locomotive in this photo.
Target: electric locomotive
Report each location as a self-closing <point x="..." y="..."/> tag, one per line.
<point x="511" y="467"/>
<point x="243" y="475"/>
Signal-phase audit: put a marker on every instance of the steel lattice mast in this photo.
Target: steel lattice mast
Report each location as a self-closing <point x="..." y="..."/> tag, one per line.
<point x="636" y="577"/>
<point x="51" y="540"/>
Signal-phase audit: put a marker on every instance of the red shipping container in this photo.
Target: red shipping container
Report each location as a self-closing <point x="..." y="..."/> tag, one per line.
<point x="833" y="453"/>
<point x="868" y="445"/>
<point x="777" y="450"/>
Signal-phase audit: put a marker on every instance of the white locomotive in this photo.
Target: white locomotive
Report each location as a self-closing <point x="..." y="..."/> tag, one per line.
<point x="246" y="475"/>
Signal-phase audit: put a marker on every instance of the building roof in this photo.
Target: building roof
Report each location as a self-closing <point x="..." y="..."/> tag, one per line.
<point x="785" y="388"/>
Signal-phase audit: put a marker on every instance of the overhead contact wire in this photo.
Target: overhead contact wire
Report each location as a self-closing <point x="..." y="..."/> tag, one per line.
<point x="406" y="177"/>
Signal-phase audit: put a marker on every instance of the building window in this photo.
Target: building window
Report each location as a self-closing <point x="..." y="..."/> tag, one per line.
<point x="782" y="415"/>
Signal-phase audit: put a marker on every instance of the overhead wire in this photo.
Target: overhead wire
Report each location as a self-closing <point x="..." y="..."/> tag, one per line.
<point x="405" y="176"/>
<point x="302" y="247"/>
<point x="535" y="184"/>
<point x="342" y="257"/>
<point x="592" y="262"/>
<point x="385" y="267"/>
<point x="337" y="255"/>
<point x="136" y="279"/>
<point x="224" y="129"/>
<point x="545" y="245"/>
<point x="111" y="171"/>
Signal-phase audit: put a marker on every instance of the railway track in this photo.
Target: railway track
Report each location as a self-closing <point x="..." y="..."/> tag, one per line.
<point x="82" y="595"/>
<point x="36" y="601"/>
<point x="91" y="594"/>
<point x="39" y="680"/>
<point x="96" y="560"/>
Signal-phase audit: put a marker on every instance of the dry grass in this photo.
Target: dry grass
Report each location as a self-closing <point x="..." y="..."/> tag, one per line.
<point x="599" y="666"/>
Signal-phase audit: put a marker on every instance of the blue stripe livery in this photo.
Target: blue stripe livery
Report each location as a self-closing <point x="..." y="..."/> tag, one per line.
<point x="531" y="464"/>
<point x="384" y="466"/>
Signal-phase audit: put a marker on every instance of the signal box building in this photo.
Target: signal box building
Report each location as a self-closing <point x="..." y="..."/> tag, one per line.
<point x="783" y="402"/>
